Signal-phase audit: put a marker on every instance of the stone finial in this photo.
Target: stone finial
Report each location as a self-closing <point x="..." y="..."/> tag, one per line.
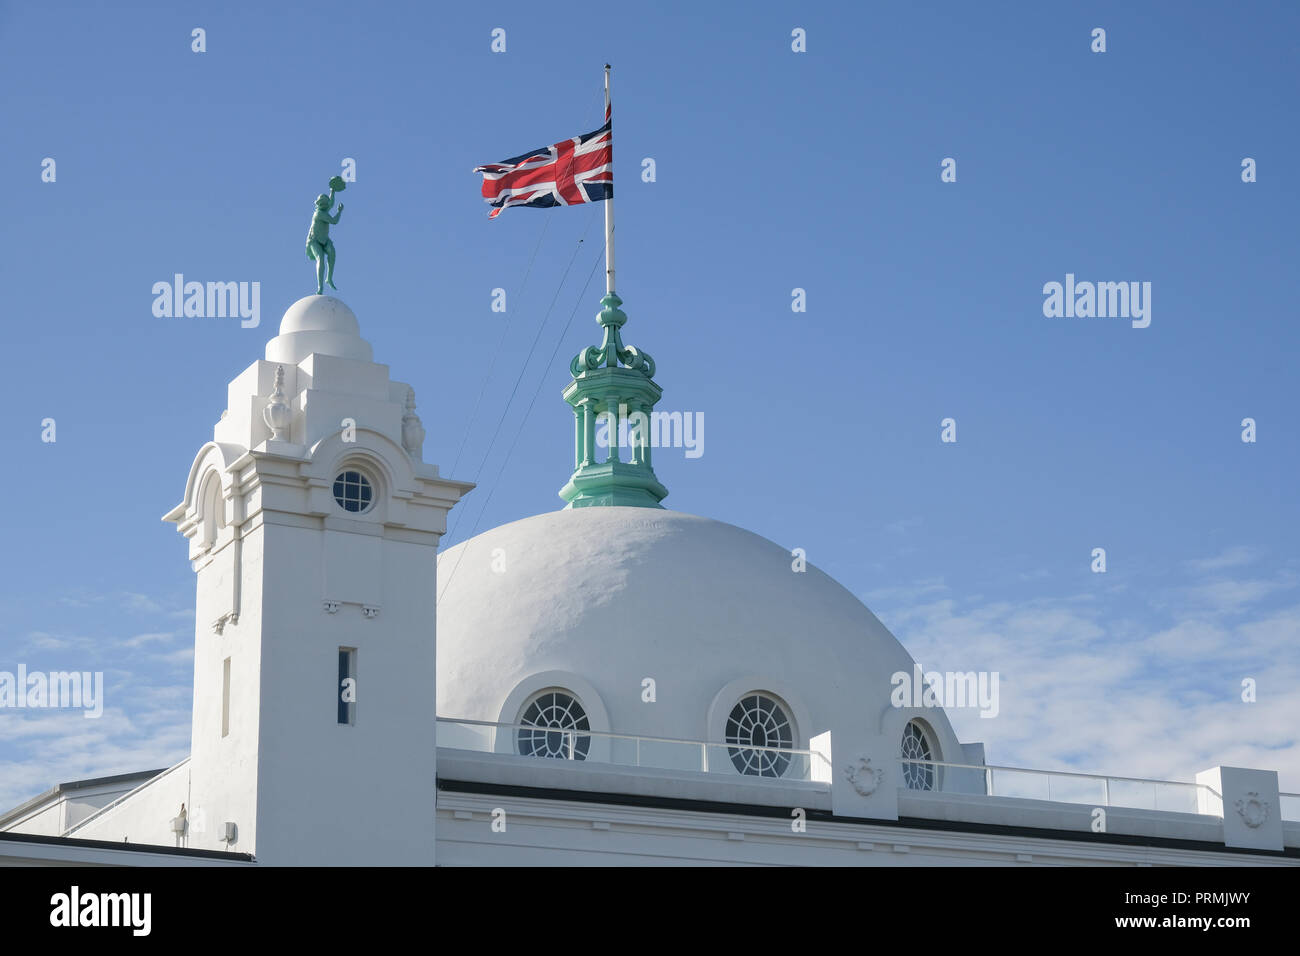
<point x="412" y="429"/>
<point x="612" y="352"/>
<point x="277" y="413"/>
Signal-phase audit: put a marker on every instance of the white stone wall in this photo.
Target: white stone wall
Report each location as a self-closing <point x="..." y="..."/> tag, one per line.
<point x="146" y="815"/>
<point x="559" y="833"/>
<point x="47" y="820"/>
<point x="291" y="578"/>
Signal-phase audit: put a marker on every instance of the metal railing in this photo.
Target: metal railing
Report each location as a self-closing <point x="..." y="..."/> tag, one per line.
<point x="1066" y="786"/>
<point x="130" y="793"/>
<point x="791" y="764"/>
<point x="634" y="750"/>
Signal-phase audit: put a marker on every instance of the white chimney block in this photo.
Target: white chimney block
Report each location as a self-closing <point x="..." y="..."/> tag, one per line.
<point x="1248" y="801"/>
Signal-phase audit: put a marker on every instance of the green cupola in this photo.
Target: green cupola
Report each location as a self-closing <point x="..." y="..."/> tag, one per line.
<point x="613" y="388"/>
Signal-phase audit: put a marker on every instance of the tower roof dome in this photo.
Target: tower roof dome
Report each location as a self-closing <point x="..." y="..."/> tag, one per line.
<point x="318" y="323"/>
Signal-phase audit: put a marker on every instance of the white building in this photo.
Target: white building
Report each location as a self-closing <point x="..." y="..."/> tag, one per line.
<point x="361" y="699"/>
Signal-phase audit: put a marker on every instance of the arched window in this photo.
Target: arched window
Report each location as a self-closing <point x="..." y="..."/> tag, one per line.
<point x="916" y="746"/>
<point x="563" y="716"/>
<point x="760" y="721"/>
<point x="211" y="510"/>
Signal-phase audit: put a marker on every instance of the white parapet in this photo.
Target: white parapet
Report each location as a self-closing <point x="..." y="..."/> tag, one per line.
<point x="1249" y="803"/>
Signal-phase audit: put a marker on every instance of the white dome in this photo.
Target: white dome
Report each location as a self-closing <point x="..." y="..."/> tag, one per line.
<point x="318" y="323"/>
<point x="614" y="595"/>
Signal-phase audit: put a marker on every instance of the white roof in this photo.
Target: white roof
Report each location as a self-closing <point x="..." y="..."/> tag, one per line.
<point x="615" y="595"/>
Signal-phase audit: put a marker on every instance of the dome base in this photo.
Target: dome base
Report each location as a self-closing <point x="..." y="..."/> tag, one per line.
<point x="612" y="484"/>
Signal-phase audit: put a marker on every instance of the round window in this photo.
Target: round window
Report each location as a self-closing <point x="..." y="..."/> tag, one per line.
<point x="562" y="716"/>
<point x="758" y="721"/>
<point x="353" y="491"/>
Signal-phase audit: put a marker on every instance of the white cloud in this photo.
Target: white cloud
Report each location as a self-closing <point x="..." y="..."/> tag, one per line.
<point x="1086" y="687"/>
<point x="123" y="600"/>
<point x="140" y="602"/>
<point x="39" y="640"/>
<point x="45" y="747"/>
<point x="1233" y="557"/>
<point x="903" y="525"/>
<point x="905" y="593"/>
<point x="140" y="640"/>
<point x="1227" y="596"/>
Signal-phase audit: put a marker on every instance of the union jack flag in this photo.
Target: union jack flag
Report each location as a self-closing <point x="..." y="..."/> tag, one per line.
<point x="578" y="170"/>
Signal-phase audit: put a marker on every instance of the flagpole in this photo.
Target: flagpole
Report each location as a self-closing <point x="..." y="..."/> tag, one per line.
<point x="609" y="203"/>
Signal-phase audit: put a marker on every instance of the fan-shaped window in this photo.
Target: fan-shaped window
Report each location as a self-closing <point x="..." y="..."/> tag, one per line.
<point x="759" y="721"/>
<point x="353" y="491"/>
<point x="916" y="746"/>
<point x="564" y="718"/>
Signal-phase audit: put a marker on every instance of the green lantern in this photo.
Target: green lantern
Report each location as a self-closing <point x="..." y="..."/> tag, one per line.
<point x="615" y="383"/>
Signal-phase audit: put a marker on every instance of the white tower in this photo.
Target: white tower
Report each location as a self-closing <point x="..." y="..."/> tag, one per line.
<point x="314" y="527"/>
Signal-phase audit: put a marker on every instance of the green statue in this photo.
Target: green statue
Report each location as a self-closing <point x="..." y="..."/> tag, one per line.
<point x="319" y="245"/>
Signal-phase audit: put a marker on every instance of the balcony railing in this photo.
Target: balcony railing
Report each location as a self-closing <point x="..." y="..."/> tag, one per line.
<point x="790" y="764"/>
<point x="633" y="750"/>
<point x="1061" y="786"/>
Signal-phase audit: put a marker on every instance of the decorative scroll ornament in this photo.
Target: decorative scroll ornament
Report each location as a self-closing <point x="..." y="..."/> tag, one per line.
<point x="612" y="351"/>
<point x="864" y="779"/>
<point x="1253" y="810"/>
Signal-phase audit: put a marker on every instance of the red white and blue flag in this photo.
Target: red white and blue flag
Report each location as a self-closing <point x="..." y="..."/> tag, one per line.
<point x="578" y="170"/>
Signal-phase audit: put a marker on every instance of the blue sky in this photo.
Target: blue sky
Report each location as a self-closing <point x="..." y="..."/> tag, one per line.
<point x="775" y="170"/>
